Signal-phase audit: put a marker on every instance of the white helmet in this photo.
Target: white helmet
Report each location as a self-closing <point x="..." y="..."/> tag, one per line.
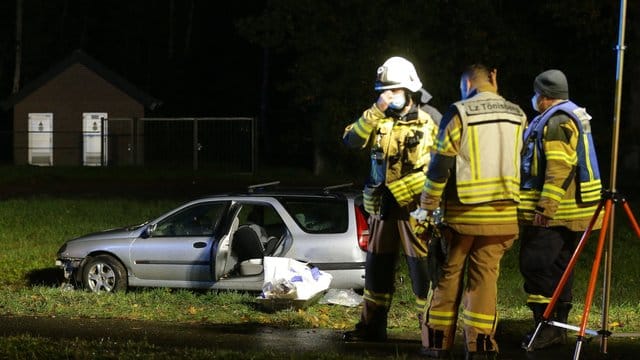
<point x="397" y="72"/>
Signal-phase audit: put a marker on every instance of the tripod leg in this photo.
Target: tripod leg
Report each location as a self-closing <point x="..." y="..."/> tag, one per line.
<point x="593" y="277"/>
<point x="632" y="219"/>
<point x="567" y="273"/>
<point x="572" y="262"/>
<point x="607" y="270"/>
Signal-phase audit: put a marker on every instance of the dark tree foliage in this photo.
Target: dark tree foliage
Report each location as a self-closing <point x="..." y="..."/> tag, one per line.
<point x="328" y="52"/>
<point x="184" y="52"/>
<point x="306" y="67"/>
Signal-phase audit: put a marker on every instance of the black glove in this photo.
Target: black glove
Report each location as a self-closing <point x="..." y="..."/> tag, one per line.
<point x="387" y="202"/>
<point x="438" y="250"/>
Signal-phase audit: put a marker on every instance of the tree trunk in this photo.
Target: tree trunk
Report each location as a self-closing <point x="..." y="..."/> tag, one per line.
<point x="189" y="30"/>
<point x="62" y="42"/>
<point x="263" y="129"/>
<point x="18" y="62"/>
<point x="170" y="36"/>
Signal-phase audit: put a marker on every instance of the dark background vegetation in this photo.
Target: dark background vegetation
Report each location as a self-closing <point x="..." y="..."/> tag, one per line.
<point x="305" y="68"/>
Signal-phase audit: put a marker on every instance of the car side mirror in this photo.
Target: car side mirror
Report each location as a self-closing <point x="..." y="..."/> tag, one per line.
<point x="148" y="231"/>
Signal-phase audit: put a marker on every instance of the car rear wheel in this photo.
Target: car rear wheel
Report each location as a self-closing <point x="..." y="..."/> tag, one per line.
<point x="104" y="273"/>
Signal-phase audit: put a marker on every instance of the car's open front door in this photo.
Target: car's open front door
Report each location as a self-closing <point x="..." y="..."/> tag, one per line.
<point x="223" y="262"/>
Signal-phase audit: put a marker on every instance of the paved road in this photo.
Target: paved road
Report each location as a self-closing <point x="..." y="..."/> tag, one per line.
<point x="258" y="337"/>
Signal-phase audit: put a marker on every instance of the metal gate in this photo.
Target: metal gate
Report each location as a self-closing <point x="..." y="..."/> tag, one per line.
<point x="224" y="144"/>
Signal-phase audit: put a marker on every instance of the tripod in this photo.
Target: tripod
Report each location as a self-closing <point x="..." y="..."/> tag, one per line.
<point x="607" y="201"/>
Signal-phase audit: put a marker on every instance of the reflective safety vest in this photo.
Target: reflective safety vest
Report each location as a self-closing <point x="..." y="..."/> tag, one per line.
<point x="490" y="125"/>
<point x="534" y="160"/>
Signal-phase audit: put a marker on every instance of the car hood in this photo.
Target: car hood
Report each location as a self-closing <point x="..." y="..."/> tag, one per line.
<point x="102" y="240"/>
<point x="123" y="232"/>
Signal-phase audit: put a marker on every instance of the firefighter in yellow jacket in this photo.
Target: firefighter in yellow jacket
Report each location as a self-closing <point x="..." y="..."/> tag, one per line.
<point x="560" y="192"/>
<point x="400" y="137"/>
<point x="475" y="172"/>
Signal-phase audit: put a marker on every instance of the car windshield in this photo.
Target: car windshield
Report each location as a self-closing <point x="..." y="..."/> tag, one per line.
<point x="135" y="227"/>
<point x="318" y="215"/>
<point x="197" y="220"/>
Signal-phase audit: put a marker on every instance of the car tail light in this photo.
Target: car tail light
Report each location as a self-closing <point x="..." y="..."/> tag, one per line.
<point x="362" y="228"/>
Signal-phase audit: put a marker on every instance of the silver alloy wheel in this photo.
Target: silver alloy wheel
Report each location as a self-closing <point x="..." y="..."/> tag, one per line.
<point x="101" y="277"/>
<point x="104" y="273"/>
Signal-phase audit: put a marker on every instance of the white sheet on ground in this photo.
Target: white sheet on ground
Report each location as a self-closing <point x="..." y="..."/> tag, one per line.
<point x="281" y="274"/>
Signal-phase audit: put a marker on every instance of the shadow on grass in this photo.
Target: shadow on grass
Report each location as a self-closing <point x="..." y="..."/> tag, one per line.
<point x="52" y="277"/>
<point x="510" y="333"/>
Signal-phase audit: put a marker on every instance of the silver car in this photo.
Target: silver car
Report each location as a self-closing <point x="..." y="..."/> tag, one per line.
<point x="218" y="242"/>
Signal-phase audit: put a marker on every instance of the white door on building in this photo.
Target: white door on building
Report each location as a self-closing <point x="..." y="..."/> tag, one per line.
<point x="40" y="139"/>
<point x="95" y="139"/>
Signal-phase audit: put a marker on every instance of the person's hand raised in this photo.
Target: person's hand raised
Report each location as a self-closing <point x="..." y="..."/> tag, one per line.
<point x="384" y="100"/>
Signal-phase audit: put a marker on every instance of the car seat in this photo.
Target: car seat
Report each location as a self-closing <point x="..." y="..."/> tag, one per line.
<point x="271" y="245"/>
<point x="247" y="247"/>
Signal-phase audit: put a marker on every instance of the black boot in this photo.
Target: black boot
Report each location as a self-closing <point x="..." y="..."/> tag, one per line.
<point x="562" y="315"/>
<point x="435" y="350"/>
<point x="372" y="325"/>
<point x="548" y="335"/>
<point x="366" y="332"/>
<point x="484" y="349"/>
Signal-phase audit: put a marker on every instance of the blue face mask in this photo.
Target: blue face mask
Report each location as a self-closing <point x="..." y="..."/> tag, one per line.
<point x="398" y="101"/>
<point x="534" y="102"/>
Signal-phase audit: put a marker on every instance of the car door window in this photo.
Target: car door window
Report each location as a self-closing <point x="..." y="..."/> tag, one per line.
<point x="267" y="223"/>
<point x="197" y="220"/>
<point x="318" y="216"/>
<point x="264" y="216"/>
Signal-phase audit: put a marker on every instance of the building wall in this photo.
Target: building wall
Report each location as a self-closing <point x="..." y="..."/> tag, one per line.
<point x="75" y="91"/>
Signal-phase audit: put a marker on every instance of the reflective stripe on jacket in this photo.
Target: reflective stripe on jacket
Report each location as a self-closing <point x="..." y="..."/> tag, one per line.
<point x="534" y="158"/>
<point x="560" y="175"/>
<point x="405" y="144"/>
<point x="479" y="141"/>
<point x="490" y="125"/>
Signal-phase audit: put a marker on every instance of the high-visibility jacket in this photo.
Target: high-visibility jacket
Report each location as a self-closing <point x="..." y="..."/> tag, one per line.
<point x="400" y="152"/>
<point x="482" y="179"/>
<point x="479" y="145"/>
<point x="560" y="174"/>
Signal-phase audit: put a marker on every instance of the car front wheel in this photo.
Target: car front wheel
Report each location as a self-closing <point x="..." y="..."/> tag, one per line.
<point x="104" y="273"/>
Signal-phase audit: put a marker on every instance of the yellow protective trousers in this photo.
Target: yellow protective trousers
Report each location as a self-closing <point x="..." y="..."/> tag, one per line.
<point x="482" y="255"/>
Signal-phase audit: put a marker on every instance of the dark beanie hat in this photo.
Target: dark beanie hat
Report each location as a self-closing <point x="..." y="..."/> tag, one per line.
<point x="552" y="84"/>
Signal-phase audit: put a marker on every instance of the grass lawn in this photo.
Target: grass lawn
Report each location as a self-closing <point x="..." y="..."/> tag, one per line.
<point x="33" y="228"/>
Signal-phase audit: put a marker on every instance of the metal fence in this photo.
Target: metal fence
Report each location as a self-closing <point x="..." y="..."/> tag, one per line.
<point x="222" y="144"/>
<point x="227" y="144"/>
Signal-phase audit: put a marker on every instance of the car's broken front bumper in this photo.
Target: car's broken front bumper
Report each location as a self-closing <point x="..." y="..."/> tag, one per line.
<point x="69" y="267"/>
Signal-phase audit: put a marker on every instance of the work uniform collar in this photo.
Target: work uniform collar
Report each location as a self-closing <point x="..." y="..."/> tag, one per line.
<point x="411" y="115"/>
<point x="553" y="106"/>
<point x="484" y="87"/>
